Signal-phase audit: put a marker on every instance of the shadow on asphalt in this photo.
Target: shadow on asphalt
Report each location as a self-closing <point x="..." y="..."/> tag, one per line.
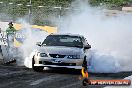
<point x="63" y="71"/>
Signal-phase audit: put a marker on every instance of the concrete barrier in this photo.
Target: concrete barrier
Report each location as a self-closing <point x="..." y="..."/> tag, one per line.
<point x="128" y="9"/>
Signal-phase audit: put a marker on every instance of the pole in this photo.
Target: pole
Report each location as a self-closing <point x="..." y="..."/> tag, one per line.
<point x="60" y="12"/>
<point x="29" y="13"/>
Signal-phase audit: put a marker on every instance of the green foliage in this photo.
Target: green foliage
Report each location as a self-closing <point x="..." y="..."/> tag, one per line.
<point x="94" y="2"/>
<point x="109" y="3"/>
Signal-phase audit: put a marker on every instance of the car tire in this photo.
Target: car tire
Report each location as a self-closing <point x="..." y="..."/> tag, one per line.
<point x="85" y="60"/>
<point x="36" y="68"/>
<point x="84" y="82"/>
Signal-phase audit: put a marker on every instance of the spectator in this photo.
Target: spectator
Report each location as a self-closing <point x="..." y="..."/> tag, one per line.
<point x="10" y="29"/>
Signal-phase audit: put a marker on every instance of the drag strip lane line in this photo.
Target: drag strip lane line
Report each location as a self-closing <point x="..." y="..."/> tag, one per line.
<point x="73" y="84"/>
<point x="44" y="79"/>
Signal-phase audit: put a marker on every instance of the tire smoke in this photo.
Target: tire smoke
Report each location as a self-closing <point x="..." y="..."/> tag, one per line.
<point x="109" y="35"/>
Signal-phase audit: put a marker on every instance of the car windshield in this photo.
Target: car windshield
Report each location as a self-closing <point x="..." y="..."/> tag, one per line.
<point x="63" y="40"/>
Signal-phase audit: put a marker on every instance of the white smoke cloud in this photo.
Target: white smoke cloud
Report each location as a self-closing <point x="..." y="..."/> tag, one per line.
<point x="110" y="36"/>
<point x="32" y="36"/>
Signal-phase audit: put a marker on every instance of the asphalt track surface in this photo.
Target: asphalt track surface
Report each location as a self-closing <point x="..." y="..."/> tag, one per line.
<point x="12" y="76"/>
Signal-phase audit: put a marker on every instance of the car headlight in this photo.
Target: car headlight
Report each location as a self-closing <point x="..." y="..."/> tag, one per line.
<point x="73" y="56"/>
<point x="42" y="55"/>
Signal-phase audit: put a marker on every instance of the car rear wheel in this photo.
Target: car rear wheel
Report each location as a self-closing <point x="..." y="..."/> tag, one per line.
<point x="36" y="68"/>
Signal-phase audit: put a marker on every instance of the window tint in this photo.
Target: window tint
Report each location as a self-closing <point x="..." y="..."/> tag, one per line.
<point x="63" y="40"/>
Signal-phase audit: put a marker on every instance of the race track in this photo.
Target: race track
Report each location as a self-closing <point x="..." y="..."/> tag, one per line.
<point x="12" y="76"/>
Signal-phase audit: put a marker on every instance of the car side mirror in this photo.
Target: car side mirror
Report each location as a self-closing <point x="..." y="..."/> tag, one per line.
<point x="87" y="47"/>
<point x="38" y="44"/>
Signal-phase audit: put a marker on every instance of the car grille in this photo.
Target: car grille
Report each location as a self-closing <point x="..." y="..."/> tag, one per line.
<point x="59" y="64"/>
<point x="57" y="55"/>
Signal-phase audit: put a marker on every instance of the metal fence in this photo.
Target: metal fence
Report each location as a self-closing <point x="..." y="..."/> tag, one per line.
<point x="40" y="15"/>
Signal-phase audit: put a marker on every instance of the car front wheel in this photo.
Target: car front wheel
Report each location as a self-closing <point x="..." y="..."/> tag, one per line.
<point x="36" y="68"/>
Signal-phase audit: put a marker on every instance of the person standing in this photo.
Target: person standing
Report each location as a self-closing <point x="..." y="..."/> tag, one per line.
<point x="10" y="29"/>
<point x="11" y="50"/>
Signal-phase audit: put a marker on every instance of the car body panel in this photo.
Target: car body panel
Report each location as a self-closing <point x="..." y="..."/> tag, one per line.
<point x="55" y="66"/>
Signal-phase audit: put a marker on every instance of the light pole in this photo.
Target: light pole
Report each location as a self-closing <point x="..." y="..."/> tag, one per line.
<point x="59" y="16"/>
<point x="60" y="8"/>
<point x="29" y="11"/>
<point x="1" y="4"/>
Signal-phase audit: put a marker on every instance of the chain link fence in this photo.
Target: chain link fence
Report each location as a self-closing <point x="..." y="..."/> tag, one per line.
<point x="39" y="15"/>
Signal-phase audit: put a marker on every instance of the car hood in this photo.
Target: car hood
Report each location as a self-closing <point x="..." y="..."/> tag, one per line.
<point x="61" y="50"/>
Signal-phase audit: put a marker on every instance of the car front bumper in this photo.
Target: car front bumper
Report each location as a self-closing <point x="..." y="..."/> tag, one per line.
<point x="75" y="67"/>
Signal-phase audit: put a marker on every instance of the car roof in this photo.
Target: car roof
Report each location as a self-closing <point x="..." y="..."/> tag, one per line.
<point x="69" y="34"/>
